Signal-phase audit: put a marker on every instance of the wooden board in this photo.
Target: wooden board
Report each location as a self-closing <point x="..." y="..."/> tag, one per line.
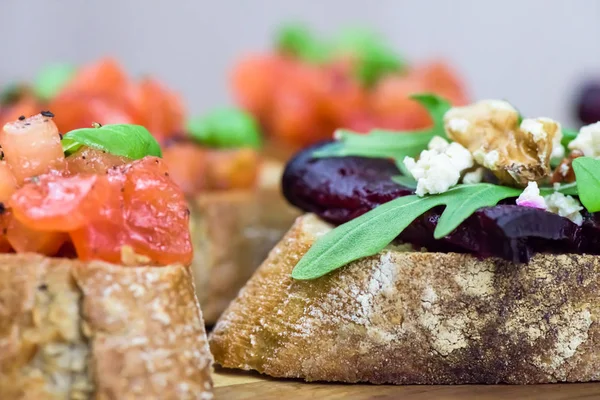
<point x="232" y="385"/>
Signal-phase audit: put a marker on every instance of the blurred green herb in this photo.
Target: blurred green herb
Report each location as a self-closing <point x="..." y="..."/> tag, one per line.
<point x="226" y="128"/>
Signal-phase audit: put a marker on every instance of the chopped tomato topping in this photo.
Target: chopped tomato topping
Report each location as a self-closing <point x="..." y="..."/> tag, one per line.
<point x="24" y="239"/>
<point x="88" y="160"/>
<point x="31" y="146"/>
<point x="300" y="104"/>
<point x="135" y="205"/>
<point x="187" y="165"/>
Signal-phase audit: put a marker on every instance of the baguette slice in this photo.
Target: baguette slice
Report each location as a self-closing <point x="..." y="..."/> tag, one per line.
<point x="233" y="232"/>
<point x="416" y="318"/>
<point x="75" y="330"/>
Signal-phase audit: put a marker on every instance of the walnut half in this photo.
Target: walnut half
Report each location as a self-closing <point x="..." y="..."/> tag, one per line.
<point x="516" y="154"/>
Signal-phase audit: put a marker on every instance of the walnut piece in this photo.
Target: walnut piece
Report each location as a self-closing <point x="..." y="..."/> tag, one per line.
<point x="516" y="154"/>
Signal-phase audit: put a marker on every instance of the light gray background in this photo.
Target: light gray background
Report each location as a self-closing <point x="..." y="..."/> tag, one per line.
<point x="531" y="52"/>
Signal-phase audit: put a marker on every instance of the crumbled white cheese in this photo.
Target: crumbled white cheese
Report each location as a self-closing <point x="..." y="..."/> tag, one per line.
<point x="460" y="125"/>
<point x="488" y="160"/>
<point x="564" y="169"/>
<point x="438" y="143"/>
<point x="531" y="197"/>
<point x="588" y="140"/>
<point x="565" y="206"/>
<point x="436" y="171"/>
<point x="473" y="176"/>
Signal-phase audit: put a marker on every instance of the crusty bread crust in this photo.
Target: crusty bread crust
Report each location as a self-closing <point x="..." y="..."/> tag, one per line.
<point x="233" y="232"/>
<point x="74" y="330"/>
<point x="416" y="318"/>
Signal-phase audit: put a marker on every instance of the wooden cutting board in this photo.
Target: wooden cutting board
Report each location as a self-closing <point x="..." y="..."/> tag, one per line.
<point x="242" y="386"/>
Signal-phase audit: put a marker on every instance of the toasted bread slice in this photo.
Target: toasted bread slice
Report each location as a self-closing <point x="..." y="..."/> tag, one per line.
<point x="416" y="318"/>
<point x="75" y="330"/>
<point x="233" y="232"/>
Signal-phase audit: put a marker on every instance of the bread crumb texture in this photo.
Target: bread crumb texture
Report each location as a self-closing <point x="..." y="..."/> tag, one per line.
<point x="416" y="318"/>
<point x="76" y="331"/>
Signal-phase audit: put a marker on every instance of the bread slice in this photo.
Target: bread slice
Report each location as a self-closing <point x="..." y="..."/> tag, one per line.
<point x="233" y="232"/>
<point x="416" y="318"/>
<point x="75" y="330"/>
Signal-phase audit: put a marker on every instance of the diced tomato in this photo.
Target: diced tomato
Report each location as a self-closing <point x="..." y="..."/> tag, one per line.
<point x="160" y="110"/>
<point x="103" y="78"/>
<point x="187" y="164"/>
<point x="24" y="239"/>
<point x="104" y="235"/>
<point x="134" y="205"/>
<point x="31" y="146"/>
<point x="77" y="110"/>
<point x="57" y="203"/>
<point x="254" y="80"/>
<point x="93" y="161"/>
<point x="232" y="169"/>
<point x="163" y="236"/>
<point x="8" y="183"/>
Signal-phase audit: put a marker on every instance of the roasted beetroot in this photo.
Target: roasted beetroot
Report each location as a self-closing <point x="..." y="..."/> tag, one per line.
<point x="340" y="189"/>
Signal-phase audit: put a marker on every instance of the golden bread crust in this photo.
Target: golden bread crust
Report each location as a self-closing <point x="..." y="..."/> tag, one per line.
<point x="75" y="330"/>
<point x="233" y="232"/>
<point x="416" y="318"/>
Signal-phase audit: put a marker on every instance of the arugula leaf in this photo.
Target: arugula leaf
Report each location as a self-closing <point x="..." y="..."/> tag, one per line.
<point x="381" y="143"/>
<point x="405" y="180"/>
<point x="362" y="237"/>
<point x="463" y="200"/>
<point x="131" y="141"/>
<point x="567" y="188"/>
<point x="587" y="174"/>
<point x="52" y="79"/>
<point x="371" y="232"/>
<point x="226" y="128"/>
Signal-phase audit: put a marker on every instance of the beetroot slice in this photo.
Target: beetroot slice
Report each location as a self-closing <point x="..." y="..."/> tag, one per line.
<point x="339" y="189"/>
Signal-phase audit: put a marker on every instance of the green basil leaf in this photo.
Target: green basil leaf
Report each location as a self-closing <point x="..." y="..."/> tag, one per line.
<point x="568" y="136"/>
<point x="391" y="144"/>
<point x="371" y="232"/>
<point x="362" y="237"/>
<point x="463" y="200"/>
<point x="226" y="128"/>
<point x="587" y="175"/>
<point x="131" y="141"/>
<point x="52" y="79"/>
<point x="373" y="58"/>
<point x="296" y="39"/>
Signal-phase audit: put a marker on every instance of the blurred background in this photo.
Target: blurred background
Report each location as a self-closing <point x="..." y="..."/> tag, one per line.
<point x="533" y="53"/>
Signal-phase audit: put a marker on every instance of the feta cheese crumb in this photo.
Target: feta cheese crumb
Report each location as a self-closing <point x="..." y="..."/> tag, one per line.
<point x="531" y="197"/>
<point x="439" y="168"/>
<point x="438" y="143"/>
<point x="565" y="206"/>
<point x="588" y="140"/>
<point x="535" y="128"/>
<point x="488" y="160"/>
<point x="473" y="176"/>
<point x="460" y="125"/>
